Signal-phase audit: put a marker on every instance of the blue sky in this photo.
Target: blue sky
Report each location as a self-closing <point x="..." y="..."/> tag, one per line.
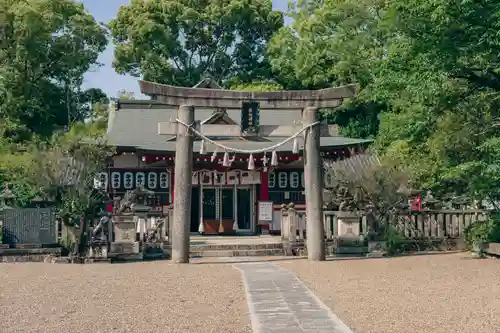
<point x="105" y="76"/>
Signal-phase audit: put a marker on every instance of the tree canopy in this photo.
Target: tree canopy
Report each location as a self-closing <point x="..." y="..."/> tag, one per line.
<point x="46" y="46"/>
<point x="181" y="41"/>
<point x="428" y="74"/>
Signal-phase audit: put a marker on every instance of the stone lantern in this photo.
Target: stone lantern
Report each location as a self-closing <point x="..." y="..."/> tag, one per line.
<point x="39" y="202"/>
<point x="7" y="198"/>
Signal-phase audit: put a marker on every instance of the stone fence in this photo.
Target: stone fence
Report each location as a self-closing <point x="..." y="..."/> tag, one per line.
<point x="426" y="224"/>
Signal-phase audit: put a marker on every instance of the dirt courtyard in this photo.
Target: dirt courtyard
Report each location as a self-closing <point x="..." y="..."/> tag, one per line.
<point x="444" y="293"/>
<point x="137" y="297"/>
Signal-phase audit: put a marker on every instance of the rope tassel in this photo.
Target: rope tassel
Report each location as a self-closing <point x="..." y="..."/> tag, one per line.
<point x="251" y="163"/>
<point x="225" y="161"/>
<point x="274" y="159"/>
<point x="202" y="147"/>
<point x="295" y="148"/>
<point x="201" y="227"/>
<point x="214" y="155"/>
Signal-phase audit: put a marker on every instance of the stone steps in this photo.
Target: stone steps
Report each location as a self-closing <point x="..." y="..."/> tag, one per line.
<point x="236" y="253"/>
<point x="235" y="247"/>
<point x="233" y="250"/>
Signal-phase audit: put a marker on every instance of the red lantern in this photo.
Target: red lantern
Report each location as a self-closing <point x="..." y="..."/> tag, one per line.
<point x="417" y="204"/>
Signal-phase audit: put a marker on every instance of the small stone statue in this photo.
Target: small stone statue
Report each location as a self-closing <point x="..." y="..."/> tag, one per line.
<point x="101" y="229"/>
<point x="152" y="233"/>
<point x="345" y="198"/>
<point x="126" y="203"/>
<point x="132" y="198"/>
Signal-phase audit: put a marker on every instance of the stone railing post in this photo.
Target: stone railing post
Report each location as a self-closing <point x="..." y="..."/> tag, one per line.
<point x="335" y="225"/>
<point x="164" y="229"/>
<point x="364" y="225"/>
<point x="327" y="222"/>
<point x="285" y="221"/>
<point x="110" y="228"/>
<point x="293" y="224"/>
<point x="170" y="219"/>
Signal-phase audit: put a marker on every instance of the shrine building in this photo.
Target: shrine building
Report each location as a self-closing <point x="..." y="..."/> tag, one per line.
<point x="224" y="198"/>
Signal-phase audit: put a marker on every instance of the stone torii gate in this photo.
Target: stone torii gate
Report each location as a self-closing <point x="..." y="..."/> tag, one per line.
<point x="185" y="128"/>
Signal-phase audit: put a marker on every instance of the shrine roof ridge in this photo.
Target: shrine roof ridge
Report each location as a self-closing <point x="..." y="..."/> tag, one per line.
<point x="286" y="99"/>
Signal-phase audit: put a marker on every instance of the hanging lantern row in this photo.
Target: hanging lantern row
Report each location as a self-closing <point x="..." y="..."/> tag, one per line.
<point x="227" y="161"/>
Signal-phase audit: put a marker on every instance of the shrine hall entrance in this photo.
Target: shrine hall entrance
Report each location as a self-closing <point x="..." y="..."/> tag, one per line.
<point x="215" y="205"/>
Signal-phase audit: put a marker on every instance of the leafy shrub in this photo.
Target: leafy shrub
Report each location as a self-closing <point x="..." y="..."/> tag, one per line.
<point x="484" y="231"/>
<point x="395" y="240"/>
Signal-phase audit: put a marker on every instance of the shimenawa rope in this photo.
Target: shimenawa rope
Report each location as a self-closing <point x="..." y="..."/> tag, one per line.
<point x="245" y="151"/>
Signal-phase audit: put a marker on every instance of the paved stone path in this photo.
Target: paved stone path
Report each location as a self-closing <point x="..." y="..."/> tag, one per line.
<point x="280" y="303"/>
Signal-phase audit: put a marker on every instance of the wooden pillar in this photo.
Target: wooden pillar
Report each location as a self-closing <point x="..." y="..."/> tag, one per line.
<point x="264" y="185"/>
<point x="201" y="226"/>
<point x="170" y="215"/>
<point x="293" y="224"/>
<point x="313" y="174"/>
<point x="182" y="186"/>
<point x="264" y="195"/>
<point x="172" y="182"/>
<point x="235" y="205"/>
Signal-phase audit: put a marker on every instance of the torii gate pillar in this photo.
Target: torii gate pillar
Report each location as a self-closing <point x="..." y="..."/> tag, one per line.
<point x="313" y="176"/>
<point x="182" y="186"/>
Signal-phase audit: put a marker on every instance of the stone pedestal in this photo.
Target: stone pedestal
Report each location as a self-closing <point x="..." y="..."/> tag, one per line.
<point x="124" y="248"/>
<point x="348" y="225"/>
<point x="125" y="245"/>
<point x="98" y="250"/>
<point x="124" y="228"/>
<point x="377" y="249"/>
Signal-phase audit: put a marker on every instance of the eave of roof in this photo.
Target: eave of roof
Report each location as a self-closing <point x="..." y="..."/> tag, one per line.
<point x="137" y="128"/>
<point x="170" y="146"/>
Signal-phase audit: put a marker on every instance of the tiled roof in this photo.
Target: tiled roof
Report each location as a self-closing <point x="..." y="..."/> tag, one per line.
<point x="138" y="127"/>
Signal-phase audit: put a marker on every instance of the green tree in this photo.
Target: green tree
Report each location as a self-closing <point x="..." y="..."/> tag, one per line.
<point x="332" y="43"/>
<point x="63" y="170"/>
<point x="440" y="78"/>
<point x="127" y="95"/>
<point x="46" y="46"/>
<point x="262" y="86"/>
<point x="428" y="74"/>
<point x="181" y="41"/>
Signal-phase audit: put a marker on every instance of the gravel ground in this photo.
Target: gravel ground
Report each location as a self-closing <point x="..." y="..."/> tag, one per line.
<point x="138" y="297"/>
<point x="446" y="293"/>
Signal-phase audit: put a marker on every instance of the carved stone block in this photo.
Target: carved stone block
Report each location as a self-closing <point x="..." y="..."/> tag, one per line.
<point x="348" y="226"/>
<point x="125" y="230"/>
